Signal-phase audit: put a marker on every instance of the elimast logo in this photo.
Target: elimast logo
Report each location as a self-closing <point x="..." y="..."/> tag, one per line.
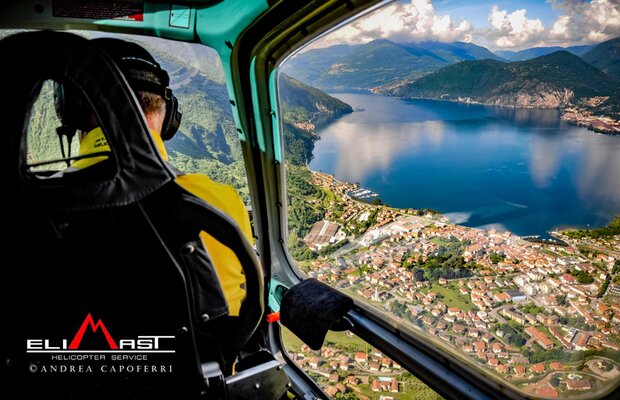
<point x="140" y="344"/>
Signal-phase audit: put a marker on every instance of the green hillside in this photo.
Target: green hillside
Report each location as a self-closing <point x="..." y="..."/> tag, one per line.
<point x="207" y="129"/>
<point x="378" y="63"/>
<point x="303" y="109"/>
<point x="304" y="103"/>
<point x="172" y="53"/>
<point x="550" y="81"/>
<point x="310" y="65"/>
<point x="606" y="57"/>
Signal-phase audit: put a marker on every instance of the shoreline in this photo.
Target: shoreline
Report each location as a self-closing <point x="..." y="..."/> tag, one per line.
<point x="552" y="233"/>
<point x="571" y="114"/>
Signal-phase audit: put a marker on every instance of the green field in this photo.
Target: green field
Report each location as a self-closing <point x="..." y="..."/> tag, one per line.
<point x="290" y="341"/>
<point x="339" y="340"/>
<point x="327" y="196"/>
<point x="451" y="297"/>
<point x="550" y="253"/>
<point x="440" y="241"/>
<point x="412" y="389"/>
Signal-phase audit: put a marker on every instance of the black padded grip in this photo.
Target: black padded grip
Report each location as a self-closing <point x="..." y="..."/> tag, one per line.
<point x="310" y="308"/>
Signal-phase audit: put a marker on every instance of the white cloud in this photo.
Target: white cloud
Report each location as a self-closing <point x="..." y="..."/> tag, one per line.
<point x="578" y="22"/>
<point x="410" y="22"/>
<point x="584" y="22"/>
<point x="509" y="30"/>
<point x="561" y="26"/>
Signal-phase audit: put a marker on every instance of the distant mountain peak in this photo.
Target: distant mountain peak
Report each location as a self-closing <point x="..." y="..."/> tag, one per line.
<point x="534" y="52"/>
<point x="381" y="40"/>
<point x="557" y="56"/>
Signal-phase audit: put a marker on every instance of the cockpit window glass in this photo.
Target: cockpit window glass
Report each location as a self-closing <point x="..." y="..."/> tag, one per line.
<point x="347" y="367"/>
<point x="456" y="166"/>
<point x="46" y="139"/>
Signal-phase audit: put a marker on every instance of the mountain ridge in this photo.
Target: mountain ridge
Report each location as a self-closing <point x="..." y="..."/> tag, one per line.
<point x="306" y="108"/>
<point x="551" y="81"/>
<point x="377" y="63"/>
<point x="534" y="52"/>
<point x="606" y="57"/>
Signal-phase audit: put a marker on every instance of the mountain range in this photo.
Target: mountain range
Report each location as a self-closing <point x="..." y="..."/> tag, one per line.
<point x="378" y="63"/>
<point x="551" y="81"/>
<point x="383" y="65"/>
<point x="534" y="52"/>
<point x="208" y="141"/>
<point x="543" y="77"/>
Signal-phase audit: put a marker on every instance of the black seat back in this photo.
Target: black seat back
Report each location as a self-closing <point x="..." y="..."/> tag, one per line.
<point x="93" y="303"/>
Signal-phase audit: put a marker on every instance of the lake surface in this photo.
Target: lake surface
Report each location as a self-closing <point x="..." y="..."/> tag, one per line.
<point x="524" y="171"/>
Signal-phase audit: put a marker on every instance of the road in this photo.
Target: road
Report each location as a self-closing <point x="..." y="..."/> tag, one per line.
<point x="494" y="313"/>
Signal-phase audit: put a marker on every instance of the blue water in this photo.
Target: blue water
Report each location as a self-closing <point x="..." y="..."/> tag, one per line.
<point x="524" y="171"/>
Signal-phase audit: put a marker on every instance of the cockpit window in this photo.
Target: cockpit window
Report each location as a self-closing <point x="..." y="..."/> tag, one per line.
<point x="207" y="140"/>
<point x="460" y="173"/>
<point x="46" y="140"/>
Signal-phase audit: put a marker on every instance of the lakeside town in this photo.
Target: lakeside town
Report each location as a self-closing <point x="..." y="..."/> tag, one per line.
<point x="542" y="316"/>
<point x="579" y="116"/>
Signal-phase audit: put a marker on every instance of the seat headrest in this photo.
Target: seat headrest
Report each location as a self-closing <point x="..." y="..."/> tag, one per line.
<point x="70" y="59"/>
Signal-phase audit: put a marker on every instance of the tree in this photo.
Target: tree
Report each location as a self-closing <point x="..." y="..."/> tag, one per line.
<point x="616" y="267"/>
<point x="582" y="277"/>
<point x="497" y="257"/>
<point x="512" y="335"/>
<point x="298" y="249"/>
<point x="604" y="286"/>
<point x="562" y="300"/>
<point x="332" y="247"/>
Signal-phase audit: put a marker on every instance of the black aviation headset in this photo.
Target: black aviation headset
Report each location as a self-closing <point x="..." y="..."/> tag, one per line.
<point x="143" y="73"/>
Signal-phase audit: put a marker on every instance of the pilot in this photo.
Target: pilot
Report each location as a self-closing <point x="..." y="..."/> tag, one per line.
<point x="150" y="84"/>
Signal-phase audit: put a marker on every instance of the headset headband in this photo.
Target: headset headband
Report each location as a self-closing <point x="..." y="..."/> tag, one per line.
<point x="152" y="79"/>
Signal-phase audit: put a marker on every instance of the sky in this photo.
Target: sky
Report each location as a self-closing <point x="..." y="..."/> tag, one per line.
<point x="497" y="25"/>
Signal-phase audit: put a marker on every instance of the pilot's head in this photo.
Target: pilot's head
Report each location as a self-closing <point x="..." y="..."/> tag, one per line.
<point x="149" y="81"/>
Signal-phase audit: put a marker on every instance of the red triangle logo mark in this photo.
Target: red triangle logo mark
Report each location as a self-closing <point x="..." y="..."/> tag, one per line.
<point x="75" y="343"/>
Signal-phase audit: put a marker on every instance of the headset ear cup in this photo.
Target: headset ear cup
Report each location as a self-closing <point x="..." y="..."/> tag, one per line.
<point x="172" y="119"/>
<point x="59" y="100"/>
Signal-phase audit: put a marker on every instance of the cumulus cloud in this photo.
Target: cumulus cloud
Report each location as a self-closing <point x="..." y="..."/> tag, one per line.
<point x="585" y="22"/>
<point x="513" y="29"/>
<point x="578" y="22"/>
<point x="403" y="22"/>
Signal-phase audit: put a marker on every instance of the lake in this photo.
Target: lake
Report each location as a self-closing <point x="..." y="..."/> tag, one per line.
<point x="521" y="170"/>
